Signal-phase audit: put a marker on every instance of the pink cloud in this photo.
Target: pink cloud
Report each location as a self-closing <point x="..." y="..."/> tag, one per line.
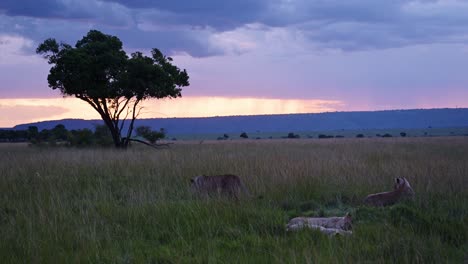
<point x="17" y="114"/>
<point x="16" y="111"/>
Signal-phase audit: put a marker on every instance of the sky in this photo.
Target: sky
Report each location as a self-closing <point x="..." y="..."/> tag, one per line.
<point x="249" y="57"/>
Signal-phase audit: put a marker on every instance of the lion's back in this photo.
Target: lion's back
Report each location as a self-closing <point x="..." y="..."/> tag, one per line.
<point x="227" y="184"/>
<point x="229" y="181"/>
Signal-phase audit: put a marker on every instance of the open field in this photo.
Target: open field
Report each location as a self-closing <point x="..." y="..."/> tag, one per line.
<point x="347" y="133"/>
<point x="61" y="205"/>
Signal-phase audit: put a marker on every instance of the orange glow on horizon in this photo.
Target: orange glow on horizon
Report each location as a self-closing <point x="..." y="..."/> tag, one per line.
<point x="20" y="111"/>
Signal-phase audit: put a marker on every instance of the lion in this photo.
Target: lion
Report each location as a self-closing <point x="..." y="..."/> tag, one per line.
<point x="401" y="189"/>
<point x="327" y="225"/>
<point x="325" y="230"/>
<point x="219" y="185"/>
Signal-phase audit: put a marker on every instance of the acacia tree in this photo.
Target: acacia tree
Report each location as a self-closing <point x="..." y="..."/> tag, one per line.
<point x="98" y="71"/>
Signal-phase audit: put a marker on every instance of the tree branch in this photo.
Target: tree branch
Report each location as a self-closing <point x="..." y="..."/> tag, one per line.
<point x="124" y="119"/>
<point x="89" y="101"/>
<point x="124" y="106"/>
<point x="130" y="128"/>
<point x="149" y="144"/>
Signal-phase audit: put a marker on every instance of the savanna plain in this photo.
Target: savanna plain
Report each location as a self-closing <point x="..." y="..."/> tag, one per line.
<point x="69" y="205"/>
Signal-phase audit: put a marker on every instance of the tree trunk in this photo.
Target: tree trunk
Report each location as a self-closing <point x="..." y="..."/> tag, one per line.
<point x="116" y="137"/>
<point x="105" y="116"/>
<point x="115" y="132"/>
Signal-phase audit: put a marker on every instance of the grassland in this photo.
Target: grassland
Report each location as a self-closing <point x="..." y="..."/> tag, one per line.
<point x="63" y="205"/>
<point x="347" y="133"/>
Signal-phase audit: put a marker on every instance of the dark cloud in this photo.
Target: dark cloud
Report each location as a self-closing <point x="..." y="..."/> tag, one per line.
<point x="331" y="11"/>
<point x="32" y="8"/>
<point x="79" y="11"/>
<point x="186" y="26"/>
<point x="170" y="42"/>
<point x="230" y="14"/>
<point x="220" y="15"/>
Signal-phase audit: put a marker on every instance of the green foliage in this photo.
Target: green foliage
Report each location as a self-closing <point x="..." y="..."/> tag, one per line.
<point x="224" y="137"/>
<point x="450" y="231"/>
<point x="143" y="130"/>
<point x="13" y="135"/>
<point x="59" y="133"/>
<point x="292" y="135"/>
<point x="81" y="138"/>
<point x="98" y="71"/>
<point x="33" y="133"/>
<point x="60" y="136"/>
<point x="102" y="136"/>
<point x="147" y="133"/>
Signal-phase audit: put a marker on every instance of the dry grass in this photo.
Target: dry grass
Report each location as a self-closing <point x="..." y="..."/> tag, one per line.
<point x="103" y="205"/>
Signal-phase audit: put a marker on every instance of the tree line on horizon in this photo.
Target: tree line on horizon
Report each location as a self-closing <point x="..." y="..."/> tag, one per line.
<point x="101" y="136"/>
<point x="59" y="135"/>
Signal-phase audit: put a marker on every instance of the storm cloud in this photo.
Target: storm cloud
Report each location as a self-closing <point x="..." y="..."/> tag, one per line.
<point x="366" y="54"/>
<point x="181" y="26"/>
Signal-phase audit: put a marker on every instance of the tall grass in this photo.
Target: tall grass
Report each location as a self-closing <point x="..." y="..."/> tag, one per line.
<point x="63" y="205"/>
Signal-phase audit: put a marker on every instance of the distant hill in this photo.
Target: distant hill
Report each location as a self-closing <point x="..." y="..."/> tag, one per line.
<point x="391" y="119"/>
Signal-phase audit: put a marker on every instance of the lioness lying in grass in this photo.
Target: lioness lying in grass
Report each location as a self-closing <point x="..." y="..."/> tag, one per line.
<point x="327" y="225"/>
<point x="401" y="189"/>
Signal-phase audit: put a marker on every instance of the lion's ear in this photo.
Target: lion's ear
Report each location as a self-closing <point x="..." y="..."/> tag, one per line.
<point x="348" y="215"/>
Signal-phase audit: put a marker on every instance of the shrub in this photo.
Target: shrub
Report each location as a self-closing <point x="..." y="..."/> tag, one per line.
<point x="103" y="136"/>
<point x="224" y="137"/>
<point x="150" y="135"/>
<point x="292" y="135"/>
<point x="81" y="137"/>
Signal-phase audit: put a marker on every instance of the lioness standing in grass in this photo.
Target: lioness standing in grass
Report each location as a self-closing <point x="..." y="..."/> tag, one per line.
<point x="401" y="189"/>
<point x="219" y="185"/>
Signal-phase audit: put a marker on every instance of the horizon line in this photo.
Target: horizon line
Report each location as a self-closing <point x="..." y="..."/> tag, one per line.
<point x="227" y="116"/>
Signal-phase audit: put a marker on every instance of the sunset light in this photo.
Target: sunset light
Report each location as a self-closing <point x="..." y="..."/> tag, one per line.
<point x="33" y="110"/>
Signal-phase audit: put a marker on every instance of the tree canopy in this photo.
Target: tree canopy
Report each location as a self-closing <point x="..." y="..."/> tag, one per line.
<point x="98" y="71"/>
